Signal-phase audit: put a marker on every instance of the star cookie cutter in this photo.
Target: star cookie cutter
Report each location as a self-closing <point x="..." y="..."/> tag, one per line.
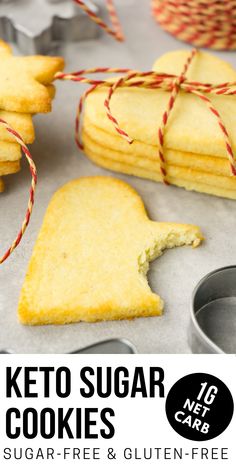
<point x="35" y="26"/>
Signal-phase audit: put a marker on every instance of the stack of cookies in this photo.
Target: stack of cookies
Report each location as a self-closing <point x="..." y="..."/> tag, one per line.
<point x="194" y="145"/>
<point x="25" y="89"/>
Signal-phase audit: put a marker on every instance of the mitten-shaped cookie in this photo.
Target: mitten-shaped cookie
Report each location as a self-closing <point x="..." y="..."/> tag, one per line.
<point x="92" y="255"/>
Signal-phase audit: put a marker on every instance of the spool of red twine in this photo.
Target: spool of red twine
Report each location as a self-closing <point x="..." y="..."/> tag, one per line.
<point x="203" y="23"/>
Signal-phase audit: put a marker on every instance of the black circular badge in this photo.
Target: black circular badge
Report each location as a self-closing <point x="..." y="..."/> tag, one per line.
<point x="199" y="407"/>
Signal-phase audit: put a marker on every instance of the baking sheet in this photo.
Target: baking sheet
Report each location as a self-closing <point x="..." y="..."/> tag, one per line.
<point x="175" y="274"/>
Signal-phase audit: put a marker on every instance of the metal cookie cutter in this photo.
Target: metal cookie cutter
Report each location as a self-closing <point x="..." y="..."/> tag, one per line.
<point x="37" y="25"/>
<point x="213" y="313"/>
<point x="109" y="346"/>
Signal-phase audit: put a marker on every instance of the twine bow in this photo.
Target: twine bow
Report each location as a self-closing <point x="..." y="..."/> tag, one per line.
<point x="132" y="78"/>
<point x="154" y="80"/>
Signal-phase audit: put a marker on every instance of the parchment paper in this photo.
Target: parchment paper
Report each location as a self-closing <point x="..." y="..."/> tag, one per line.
<point x="175" y="274"/>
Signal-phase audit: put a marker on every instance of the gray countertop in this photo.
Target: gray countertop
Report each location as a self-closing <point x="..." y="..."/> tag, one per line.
<point x="175" y="274"/>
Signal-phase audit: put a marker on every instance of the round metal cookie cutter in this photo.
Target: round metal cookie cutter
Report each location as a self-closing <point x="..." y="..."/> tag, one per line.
<point x="213" y="313"/>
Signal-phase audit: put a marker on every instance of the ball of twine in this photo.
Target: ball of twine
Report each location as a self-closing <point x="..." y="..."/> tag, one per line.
<point x="203" y="23"/>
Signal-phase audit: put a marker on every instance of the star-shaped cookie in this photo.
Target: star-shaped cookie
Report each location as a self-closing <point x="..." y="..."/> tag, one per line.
<point x="25" y="82"/>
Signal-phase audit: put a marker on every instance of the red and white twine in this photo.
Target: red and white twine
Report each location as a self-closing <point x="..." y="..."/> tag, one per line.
<point x="115" y="30"/>
<point x="153" y="80"/>
<point x="131" y="78"/>
<point x="203" y="23"/>
<point x="33" y="172"/>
